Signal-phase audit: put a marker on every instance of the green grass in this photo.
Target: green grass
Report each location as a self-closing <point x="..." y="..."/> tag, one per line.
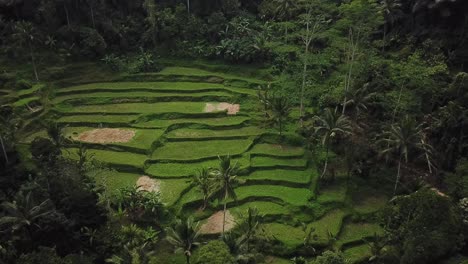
<point x="139" y="108"/>
<point x="357" y="231"/>
<point x="290" y="236"/>
<point x="209" y="133"/>
<point x="274" y="162"/>
<point x="335" y="193"/>
<point x="293" y="196"/>
<point x="357" y="254"/>
<point x="331" y="222"/>
<point x="169" y="170"/>
<point x="277" y="150"/>
<point x="215" y="122"/>
<point x="282" y="175"/>
<point x="143" y="138"/>
<point x="25" y="101"/>
<point x="191" y="150"/>
<point x="264" y="208"/>
<point x="31" y="137"/>
<point x="199" y="72"/>
<point x="113" y="181"/>
<point x="97" y="119"/>
<point x="96" y="96"/>
<point x="111" y="157"/>
<point x="171" y="189"/>
<point x="31" y="90"/>
<point x="156" y="86"/>
<point x="369" y="203"/>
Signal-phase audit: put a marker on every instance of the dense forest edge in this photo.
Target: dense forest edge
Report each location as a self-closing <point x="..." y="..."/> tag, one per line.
<point x="319" y="131"/>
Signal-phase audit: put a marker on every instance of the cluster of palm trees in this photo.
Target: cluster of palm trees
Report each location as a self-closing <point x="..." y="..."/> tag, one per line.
<point x="218" y="182"/>
<point x="404" y="139"/>
<point x="276" y="108"/>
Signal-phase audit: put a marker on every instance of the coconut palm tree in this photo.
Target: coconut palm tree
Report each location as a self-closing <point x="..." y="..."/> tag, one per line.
<point x="280" y="109"/>
<point x="359" y="99"/>
<point x="204" y="181"/>
<point x="402" y="138"/>
<point x="264" y="96"/>
<point x="26" y="34"/>
<point x="184" y="236"/>
<point x="23" y="212"/>
<point x="249" y="227"/>
<point x="391" y="11"/>
<point x="226" y="175"/>
<point x="284" y="8"/>
<point x="331" y="125"/>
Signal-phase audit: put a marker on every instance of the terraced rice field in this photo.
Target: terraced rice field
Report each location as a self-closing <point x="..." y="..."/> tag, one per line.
<point x="172" y="137"/>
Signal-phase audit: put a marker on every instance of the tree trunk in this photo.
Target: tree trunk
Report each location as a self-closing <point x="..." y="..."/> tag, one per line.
<point x="353" y="45"/>
<point x="92" y="16"/>
<point x="187" y="258"/>
<point x="398" y="176"/>
<point x="188" y="7"/>
<point x="281" y="126"/>
<point x="326" y="163"/>
<point x="384" y="37"/>
<point x="66" y="14"/>
<point x="4" y="150"/>
<point x="33" y="61"/>
<point x="224" y="210"/>
<point x="304" y="72"/>
<point x="205" y="202"/>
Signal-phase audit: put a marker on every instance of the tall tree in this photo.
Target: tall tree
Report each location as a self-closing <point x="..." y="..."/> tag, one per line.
<point x="204" y="181"/>
<point x="401" y="139"/>
<point x="227" y="177"/>
<point x="25" y="33"/>
<point x="280" y="108"/>
<point x="313" y="26"/>
<point x="184" y="236"/>
<point x="359" y="99"/>
<point x="329" y="126"/>
<point x="391" y="11"/>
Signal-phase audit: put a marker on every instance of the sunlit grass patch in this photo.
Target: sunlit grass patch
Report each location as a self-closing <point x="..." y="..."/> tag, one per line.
<point x="293" y="196"/>
<point x="295" y="176"/>
<point x="277" y="150"/>
<point x="209" y="133"/>
<point x="272" y="162"/>
<point x="357" y="254"/>
<point x="171" y="189"/>
<point x="192" y="150"/>
<point x="215" y="122"/>
<point x="137" y="108"/>
<point x="357" y="231"/>
<point x="264" y="208"/>
<point x="97" y="119"/>
<point x="111" y="157"/>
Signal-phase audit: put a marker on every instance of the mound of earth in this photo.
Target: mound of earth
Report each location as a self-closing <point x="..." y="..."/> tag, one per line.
<point x="232" y="109"/>
<point x="145" y="183"/>
<point x="106" y="135"/>
<point x="214" y="224"/>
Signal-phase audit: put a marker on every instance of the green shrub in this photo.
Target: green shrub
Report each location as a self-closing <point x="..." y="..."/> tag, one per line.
<point x="424" y="226"/>
<point x="23" y="84"/>
<point x="330" y="257"/>
<point x="215" y="252"/>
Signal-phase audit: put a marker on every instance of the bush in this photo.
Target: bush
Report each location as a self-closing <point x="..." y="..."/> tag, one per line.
<point x="113" y="62"/>
<point x="330" y="257"/>
<point x="423" y="226"/>
<point x="215" y="252"/>
<point x="145" y="62"/>
<point x="23" y="84"/>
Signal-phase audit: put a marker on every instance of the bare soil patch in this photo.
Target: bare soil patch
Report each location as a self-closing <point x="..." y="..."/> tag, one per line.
<point x="106" y="135"/>
<point x="214" y="224"/>
<point x="232" y="109"/>
<point x="145" y="183"/>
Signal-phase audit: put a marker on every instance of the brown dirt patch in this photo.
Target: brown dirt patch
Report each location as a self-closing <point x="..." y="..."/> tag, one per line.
<point x="145" y="183"/>
<point x="214" y="224"/>
<point x="106" y="135"/>
<point x="232" y="109"/>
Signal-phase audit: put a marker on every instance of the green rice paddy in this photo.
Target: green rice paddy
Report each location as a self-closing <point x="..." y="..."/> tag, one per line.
<point x="174" y="138"/>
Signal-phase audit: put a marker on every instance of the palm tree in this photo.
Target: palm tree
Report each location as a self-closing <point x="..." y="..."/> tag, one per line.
<point x="403" y="138"/>
<point x="284" y="11"/>
<point x="331" y="125"/>
<point x="23" y="212"/>
<point x="249" y="227"/>
<point x="203" y="180"/>
<point x="7" y="130"/>
<point x="264" y="97"/>
<point x="391" y="11"/>
<point x="226" y="175"/>
<point x="280" y="109"/>
<point x="25" y="33"/>
<point x="184" y="236"/>
<point x="359" y="99"/>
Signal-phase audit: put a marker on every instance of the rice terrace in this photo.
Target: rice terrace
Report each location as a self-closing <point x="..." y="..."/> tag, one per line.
<point x="234" y="132"/>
